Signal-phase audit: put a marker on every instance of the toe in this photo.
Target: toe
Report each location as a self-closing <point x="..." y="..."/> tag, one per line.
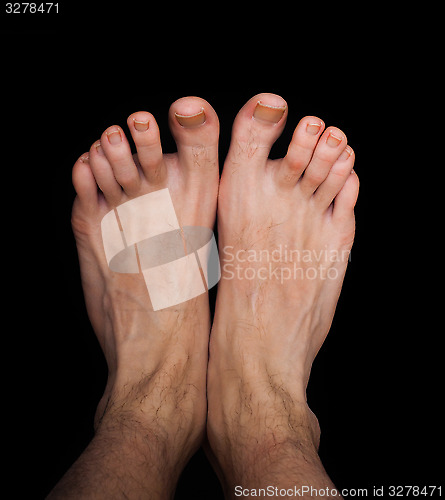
<point x="256" y="127"/>
<point x="118" y="153"/>
<point x="336" y="178"/>
<point x="104" y="175"/>
<point x="195" y="127"/>
<point x="346" y="199"/>
<point x="300" y="151"/>
<point x="84" y="182"/>
<point x="330" y="146"/>
<point x="145" y="133"/>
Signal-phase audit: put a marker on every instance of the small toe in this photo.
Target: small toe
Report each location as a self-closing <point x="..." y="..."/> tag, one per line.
<point x="336" y="178"/>
<point x="118" y="153"/>
<point x="346" y="199"/>
<point x="330" y="146"/>
<point x="84" y="182"/>
<point x="145" y="133"/>
<point x="104" y="175"/>
<point x="195" y="128"/>
<point x="300" y="150"/>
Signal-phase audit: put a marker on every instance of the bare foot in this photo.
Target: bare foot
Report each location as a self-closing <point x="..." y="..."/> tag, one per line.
<point x="157" y="360"/>
<point x="286" y="228"/>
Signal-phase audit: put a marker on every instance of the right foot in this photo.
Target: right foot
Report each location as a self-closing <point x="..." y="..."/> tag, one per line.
<point x="157" y="360"/>
<point x="286" y="228"/>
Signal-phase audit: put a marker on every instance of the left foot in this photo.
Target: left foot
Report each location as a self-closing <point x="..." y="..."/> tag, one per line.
<point x="157" y="359"/>
<point x="286" y="228"/>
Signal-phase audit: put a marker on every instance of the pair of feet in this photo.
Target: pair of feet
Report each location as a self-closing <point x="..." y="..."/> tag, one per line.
<point x="285" y="228"/>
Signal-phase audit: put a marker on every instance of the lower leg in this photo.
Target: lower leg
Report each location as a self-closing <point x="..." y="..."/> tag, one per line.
<point x="261" y="430"/>
<point x="146" y="432"/>
<point x="285" y="230"/>
<point x="151" y="418"/>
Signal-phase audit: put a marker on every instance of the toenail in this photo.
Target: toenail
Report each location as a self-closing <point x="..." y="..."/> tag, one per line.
<point x="140" y="126"/>
<point x="313" y="128"/>
<point x="84" y="158"/>
<point x="267" y="113"/>
<point x="333" y="141"/>
<point x="347" y="152"/>
<point x="114" y="136"/>
<point x="98" y="147"/>
<point x="191" y="121"/>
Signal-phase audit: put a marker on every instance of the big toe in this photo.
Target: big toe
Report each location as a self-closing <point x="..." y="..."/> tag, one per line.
<point x="256" y="127"/>
<point x="195" y="127"/>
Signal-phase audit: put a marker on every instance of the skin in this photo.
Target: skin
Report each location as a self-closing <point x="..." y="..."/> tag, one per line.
<point x="164" y="392"/>
<point x="260" y="428"/>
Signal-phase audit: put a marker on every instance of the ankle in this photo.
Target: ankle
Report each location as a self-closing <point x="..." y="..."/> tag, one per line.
<point x="170" y="395"/>
<point x="261" y="420"/>
<point x="166" y="434"/>
<point x="290" y="424"/>
<point x="147" y="452"/>
<point x="267" y="456"/>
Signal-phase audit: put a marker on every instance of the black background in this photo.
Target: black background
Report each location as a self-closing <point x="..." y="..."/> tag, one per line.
<point x="376" y="385"/>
